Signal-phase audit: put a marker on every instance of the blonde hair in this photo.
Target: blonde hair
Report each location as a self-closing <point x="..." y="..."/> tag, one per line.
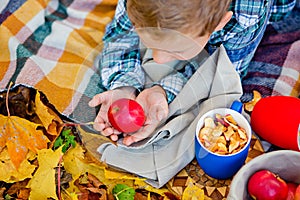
<point x="198" y="17"/>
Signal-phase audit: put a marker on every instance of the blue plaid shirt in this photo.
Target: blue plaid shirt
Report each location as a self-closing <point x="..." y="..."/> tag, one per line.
<point x="120" y="61"/>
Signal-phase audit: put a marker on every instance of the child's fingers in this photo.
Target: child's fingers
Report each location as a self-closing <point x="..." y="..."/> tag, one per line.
<point x="99" y="126"/>
<point x="114" y="137"/>
<point x="96" y="100"/>
<point x="143" y="133"/>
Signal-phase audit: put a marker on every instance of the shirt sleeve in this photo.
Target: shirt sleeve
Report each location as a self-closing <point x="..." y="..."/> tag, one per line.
<point x="281" y="8"/>
<point x="173" y="83"/>
<point x="243" y="33"/>
<point x="120" y="62"/>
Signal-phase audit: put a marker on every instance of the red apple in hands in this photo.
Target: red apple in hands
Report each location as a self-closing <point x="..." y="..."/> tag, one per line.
<point x="126" y="115"/>
<point x="265" y="185"/>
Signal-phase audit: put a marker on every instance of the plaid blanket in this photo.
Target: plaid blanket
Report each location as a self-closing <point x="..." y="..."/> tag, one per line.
<point x="275" y="68"/>
<point x="53" y="45"/>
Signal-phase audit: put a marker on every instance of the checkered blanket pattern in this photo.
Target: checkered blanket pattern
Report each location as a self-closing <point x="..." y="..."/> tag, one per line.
<point x="52" y="46"/>
<point x="275" y="68"/>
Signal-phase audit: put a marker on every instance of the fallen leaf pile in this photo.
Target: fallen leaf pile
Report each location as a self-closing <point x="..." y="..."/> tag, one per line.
<point x="35" y="166"/>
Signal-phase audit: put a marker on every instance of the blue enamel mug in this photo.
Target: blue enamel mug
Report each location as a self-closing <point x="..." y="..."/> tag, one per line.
<point x="216" y="165"/>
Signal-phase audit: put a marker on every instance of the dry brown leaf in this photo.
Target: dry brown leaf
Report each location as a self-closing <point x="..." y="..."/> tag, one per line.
<point x="90" y="188"/>
<point x="19" y="189"/>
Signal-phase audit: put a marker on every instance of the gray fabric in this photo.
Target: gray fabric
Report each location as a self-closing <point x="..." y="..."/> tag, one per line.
<point x="171" y="147"/>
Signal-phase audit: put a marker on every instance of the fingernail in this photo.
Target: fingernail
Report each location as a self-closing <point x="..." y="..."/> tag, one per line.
<point x="114" y="137"/>
<point x="127" y="141"/>
<point x="90" y="103"/>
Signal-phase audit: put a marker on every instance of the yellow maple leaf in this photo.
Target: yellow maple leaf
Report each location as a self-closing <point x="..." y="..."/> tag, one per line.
<point x="50" y="120"/>
<point x="8" y="172"/>
<point x="42" y="184"/>
<point x="192" y="192"/>
<point x="20" y="135"/>
<point x="75" y="164"/>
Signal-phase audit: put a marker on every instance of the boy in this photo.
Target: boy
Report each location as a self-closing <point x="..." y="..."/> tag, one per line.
<point x="237" y="24"/>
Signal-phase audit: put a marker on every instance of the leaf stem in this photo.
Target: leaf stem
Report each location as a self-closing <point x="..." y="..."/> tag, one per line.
<point x="6" y="99"/>
<point x="77" y="124"/>
<point x="58" y="177"/>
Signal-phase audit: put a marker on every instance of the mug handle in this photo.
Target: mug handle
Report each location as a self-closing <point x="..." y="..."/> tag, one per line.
<point x="237" y="106"/>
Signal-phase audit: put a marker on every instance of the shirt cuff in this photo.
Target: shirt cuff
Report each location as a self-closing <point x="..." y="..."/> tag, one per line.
<point x="170" y="96"/>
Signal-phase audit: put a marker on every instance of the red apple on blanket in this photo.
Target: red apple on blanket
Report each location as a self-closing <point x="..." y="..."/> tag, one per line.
<point x="126" y="115"/>
<point x="265" y="185"/>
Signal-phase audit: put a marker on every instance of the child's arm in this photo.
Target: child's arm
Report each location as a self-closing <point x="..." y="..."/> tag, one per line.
<point x="281" y="8"/>
<point x="120" y="68"/>
<point x="173" y="83"/>
<point x="244" y="31"/>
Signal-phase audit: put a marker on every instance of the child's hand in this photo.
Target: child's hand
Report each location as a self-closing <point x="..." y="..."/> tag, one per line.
<point x="155" y="105"/>
<point x="105" y="99"/>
